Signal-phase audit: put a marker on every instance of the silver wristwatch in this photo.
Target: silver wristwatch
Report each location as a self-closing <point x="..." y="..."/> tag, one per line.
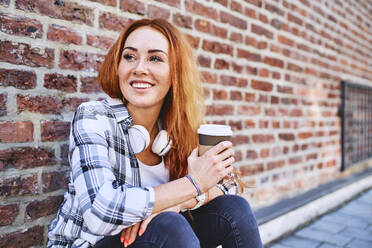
<point x="201" y="199"/>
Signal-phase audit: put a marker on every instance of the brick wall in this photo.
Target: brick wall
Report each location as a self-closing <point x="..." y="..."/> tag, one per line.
<point x="271" y="69"/>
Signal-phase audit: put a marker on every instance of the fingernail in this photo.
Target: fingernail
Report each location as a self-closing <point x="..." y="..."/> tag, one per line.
<point x="140" y="232"/>
<point x="125" y="243"/>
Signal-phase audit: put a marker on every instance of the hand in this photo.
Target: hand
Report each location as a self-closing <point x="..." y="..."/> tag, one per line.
<point x="129" y="235"/>
<point x="208" y="169"/>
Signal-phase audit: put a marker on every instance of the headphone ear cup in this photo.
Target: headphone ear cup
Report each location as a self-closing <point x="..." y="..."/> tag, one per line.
<point x="139" y="138"/>
<point x="162" y="143"/>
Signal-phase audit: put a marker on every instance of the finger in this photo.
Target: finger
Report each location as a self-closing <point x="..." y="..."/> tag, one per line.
<point x="228" y="162"/>
<point x="145" y="223"/>
<point x="219" y="148"/>
<point x="195" y="152"/>
<point x="225" y="154"/>
<point x="127" y="234"/>
<point x="122" y="236"/>
<point x="133" y="233"/>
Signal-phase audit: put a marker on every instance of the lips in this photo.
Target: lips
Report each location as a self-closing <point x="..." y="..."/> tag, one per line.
<point x="140" y="84"/>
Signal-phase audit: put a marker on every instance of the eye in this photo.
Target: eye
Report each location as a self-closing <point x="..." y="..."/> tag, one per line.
<point x="155" y="58"/>
<point x="128" y="57"/>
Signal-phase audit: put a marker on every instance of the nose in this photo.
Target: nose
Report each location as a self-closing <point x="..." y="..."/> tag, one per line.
<point x="140" y="68"/>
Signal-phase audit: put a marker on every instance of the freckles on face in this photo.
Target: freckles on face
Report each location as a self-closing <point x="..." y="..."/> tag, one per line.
<point x="144" y="73"/>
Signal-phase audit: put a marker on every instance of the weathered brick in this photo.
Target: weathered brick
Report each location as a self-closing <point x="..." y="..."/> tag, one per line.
<point x="5" y="2"/>
<point x="248" y="55"/>
<point x="106" y="2"/>
<point x="90" y="85"/>
<point x="16" y="132"/>
<point x="23" y="54"/>
<point x="249" y="12"/>
<point x="19" y="186"/>
<point x="284" y="40"/>
<point x="80" y="61"/>
<point x="263" y="138"/>
<point x="236" y="96"/>
<point x="17" y="25"/>
<point x="249" y="97"/>
<point x="234" y="81"/>
<point x="251" y="155"/>
<point x="60" y="9"/>
<point x="236" y="37"/>
<point x="64" y="35"/>
<point x="19" y="79"/>
<point x="204" y="61"/>
<point x="235" y="6"/>
<point x="260" y="30"/>
<point x="264" y="153"/>
<point x="133" y="6"/>
<point x="273" y="62"/>
<point x="3" y="108"/>
<point x="222" y="2"/>
<point x="33" y="236"/>
<point x="258" y="3"/>
<point x="55" y="130"/>
<point x="263" y="72"/>
<point x="233" y="20"/>
<point x="71" y="103"/>
<point x="237" y="68"/>
<point x="261" y="85"/>
<point x="208" y="77"/>
<point x="37" y="209"/>
<point x="285" y="89"/>
<point x="175" y="3"/>
<point x="274" y="9"/>
<point x="39" y="104"/>
<point x="182" y="20"/>
<point x="98" y="41"/>
<point x="263" y="18"/>
<point x="217" y="47"/>
<point x="55" y="180"/>
<point x="219" y="94"/>
<point x="249" y="110"/>
<point x="221" y="64"/>
<point x="219" y="109"/>
<point x="157" y="12"/>
<point x="294" y="19"/>
<point x="60" y="82"/>
<point x="64" y="154"/>
<point x="294" y="67"/>
<point x="202" y="25"/>
<point x="8" y="213"/>
<point x="193" y="41"/>
<point x="287" y="136"/>
<point x="200" y="9"/>
<point x="219" y="31"/>
<point x="113" y="22"/>
<point x="26" y="157"/>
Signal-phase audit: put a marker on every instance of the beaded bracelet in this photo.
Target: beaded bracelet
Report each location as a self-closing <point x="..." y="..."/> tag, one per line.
<point x="193" y="183"/>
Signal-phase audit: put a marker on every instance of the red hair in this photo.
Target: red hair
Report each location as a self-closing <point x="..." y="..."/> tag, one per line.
<point x="183" y="108"/>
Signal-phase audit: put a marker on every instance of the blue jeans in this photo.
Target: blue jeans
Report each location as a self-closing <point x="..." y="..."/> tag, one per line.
<point x="227" y="220"/>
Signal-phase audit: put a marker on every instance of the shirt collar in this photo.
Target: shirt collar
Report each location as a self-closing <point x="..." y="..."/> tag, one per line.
<point x="120" y="111"/>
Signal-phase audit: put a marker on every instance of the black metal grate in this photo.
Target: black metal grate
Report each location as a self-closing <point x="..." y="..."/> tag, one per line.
<point x="356" y="114"/>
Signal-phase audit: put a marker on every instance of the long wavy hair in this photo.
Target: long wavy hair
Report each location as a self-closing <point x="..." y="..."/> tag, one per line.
<point x="183" y="107"/>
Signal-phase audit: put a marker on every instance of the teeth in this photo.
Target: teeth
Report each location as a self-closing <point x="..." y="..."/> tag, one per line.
<point x="141" y="85"/>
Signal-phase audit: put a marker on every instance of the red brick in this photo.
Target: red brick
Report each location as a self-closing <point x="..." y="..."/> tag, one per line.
<point x="285" y="41"/>
<point x="250" y="41"/>
<point x="19" y="186"/>
<point x="236" y="125"/>
<point x="237" y="68"/>
<point x="250" y="13"/>
<point x="208" y="77"/>
<point x="261" y="85"/>
<point x="270" y="112"/>
<point x="249" y="110"/>
<point x="236" y="96"/>
<point x="55" y="180"/>
<point x="264" y="153"/>
<point x="251" y="155"/>
<point x="263" y="138"/>
<point x="64" y="35"/>
<point x="3" y="108"/>
<point x="233" y="20"/>
<point x="276" y="23"/>
<point x="202" y="25"/>
<point x="19" y="79"/>
<point x="17" y="25"/>
<point x="216" y="47"/>
<point x="274" y="62"/>
<point x="204" y="61"/>
<point x="157" y="12"/>
<point x="175" y="3"/>
<point x="305" y="135"/>
<point x="251" y="70"/>
<point x="113" y="22"/>
<point x="285" y="89"/>
<point x="263" y="72"/>
<point x="236" y="37"/>
<point x="222" y="2"/>
<point x="58" y="9"/>
<point x="199" y="9"/>
<point x="219" y="94"/>
<point x="221" y="64"/>
<point x="249" y="97"/>
<point x="193" y="41"/>
<point x="240" y="140"/>
<point x="293" y="67"/>
<point x="106" y="2"/>
<point x="294" y="19"/>
<point x="273" y="9"/>
<point x="263" y="18"/>
<point x="133" y="6"/>
<point x="275" y="165"/>
<point x="23" y="54"/>
<point x="39" y="104"/>
<point x="263" y="98"/>
<point x="248" y="55"/>
<point x="251" y="169"/>
<point x="16" y="132"/>
<point x="55" y="130"/>
<point x="182" y="20"/>
<point x="234" y="81"/>
<point x="219" y="109"/>
<point x="287" y="136"/>
<point x="32" y="236"/>
<point x="295" y="160"/>
<point x="8" y="213"/>
<point x="5" y="2"/>
<point x="71" y="103"/>
<point x="258" y="3"/>
<point x="296" y="112"/>
<point x="80" y="61"/>
<point x="37" y="209"/>
<point x="60" y="82"/>
<point x="219" y="31"/>
<point x="257" y="29"/>
<point x="27" y="157"/>
<point x="274" y="100"/>
<point x="90" y="85"/>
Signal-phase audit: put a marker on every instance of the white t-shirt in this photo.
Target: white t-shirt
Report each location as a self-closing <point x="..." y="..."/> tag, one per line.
<point x="154" y="175"/>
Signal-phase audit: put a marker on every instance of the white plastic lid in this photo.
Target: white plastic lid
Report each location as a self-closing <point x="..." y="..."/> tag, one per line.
<point x="215" y="130"/>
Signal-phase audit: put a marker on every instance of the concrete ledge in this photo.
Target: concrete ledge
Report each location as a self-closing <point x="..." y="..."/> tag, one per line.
<point x="286" y="223"/>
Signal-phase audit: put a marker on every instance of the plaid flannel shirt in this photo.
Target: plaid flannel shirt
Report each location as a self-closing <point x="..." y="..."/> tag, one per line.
<point x="104" y="194"/>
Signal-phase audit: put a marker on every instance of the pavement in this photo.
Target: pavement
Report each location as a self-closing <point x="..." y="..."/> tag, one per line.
<point x="349" y="226"/>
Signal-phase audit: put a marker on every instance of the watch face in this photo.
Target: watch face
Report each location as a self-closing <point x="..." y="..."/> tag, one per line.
<point x="201" y="198"/>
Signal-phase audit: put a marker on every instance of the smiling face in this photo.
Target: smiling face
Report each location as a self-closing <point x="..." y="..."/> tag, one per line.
<point x="144" y="73"/>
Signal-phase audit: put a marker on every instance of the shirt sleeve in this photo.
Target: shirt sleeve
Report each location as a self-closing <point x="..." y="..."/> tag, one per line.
<point x="106" y="207"/>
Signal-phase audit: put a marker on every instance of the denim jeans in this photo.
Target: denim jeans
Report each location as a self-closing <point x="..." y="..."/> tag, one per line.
<point x="227" y="220"/>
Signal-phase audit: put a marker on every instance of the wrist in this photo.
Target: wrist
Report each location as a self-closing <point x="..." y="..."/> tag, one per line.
<point x="192" y="180"/>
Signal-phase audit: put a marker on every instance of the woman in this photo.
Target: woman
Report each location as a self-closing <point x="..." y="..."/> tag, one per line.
<point x="120" y="194"/>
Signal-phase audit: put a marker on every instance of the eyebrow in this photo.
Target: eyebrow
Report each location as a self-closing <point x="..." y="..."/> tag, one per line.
<point x="149" y="51"/>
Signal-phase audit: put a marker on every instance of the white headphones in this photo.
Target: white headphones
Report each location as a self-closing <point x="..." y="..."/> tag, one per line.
<point x="139" y="139"/>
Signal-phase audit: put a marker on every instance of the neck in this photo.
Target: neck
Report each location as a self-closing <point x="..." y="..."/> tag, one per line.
<point x="145" y="117"/>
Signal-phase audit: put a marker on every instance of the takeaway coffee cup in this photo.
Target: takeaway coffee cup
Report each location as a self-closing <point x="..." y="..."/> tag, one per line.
<point x="212" y="134"/>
